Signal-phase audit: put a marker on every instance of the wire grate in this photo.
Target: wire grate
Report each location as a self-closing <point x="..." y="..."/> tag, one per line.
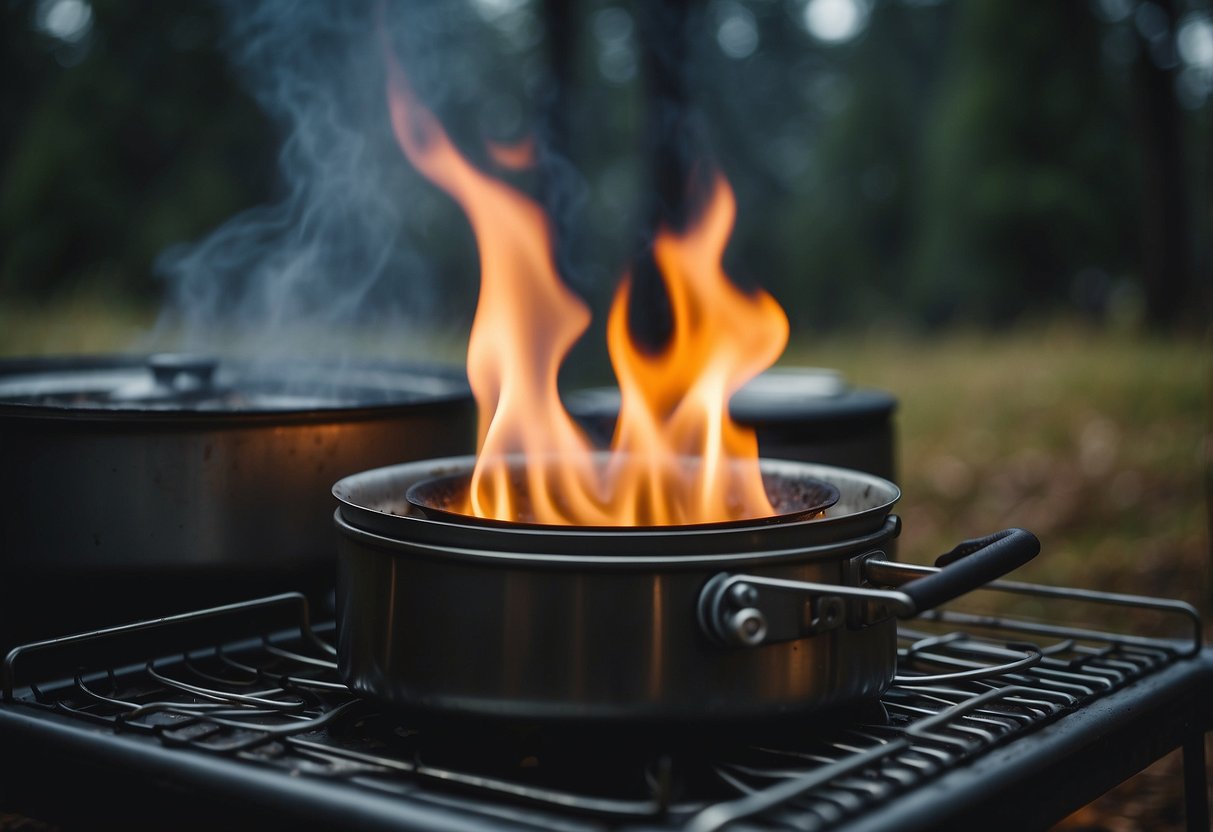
<point x="269" y="696"/>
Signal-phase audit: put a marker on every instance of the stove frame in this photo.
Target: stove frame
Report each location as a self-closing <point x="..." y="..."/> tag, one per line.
<point x="237" y="712"/>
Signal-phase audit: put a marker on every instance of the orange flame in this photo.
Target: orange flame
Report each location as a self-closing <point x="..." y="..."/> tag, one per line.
<point x="674" y="404"/>
<point x="676" y="457"/>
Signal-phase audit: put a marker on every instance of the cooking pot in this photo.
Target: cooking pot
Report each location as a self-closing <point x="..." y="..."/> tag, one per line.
<point x="712" y="622"/>
<point x="183" y="463"/>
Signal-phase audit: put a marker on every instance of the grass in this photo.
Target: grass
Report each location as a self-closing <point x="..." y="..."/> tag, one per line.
<point x="86" y="321"/>
<point x="1099" y="443"/>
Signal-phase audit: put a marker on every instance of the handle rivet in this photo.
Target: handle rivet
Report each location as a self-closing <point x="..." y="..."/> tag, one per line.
<point x="748" y="627"/>
<point x="743" y="595"/>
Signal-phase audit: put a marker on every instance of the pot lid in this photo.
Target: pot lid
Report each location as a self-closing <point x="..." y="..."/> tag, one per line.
<point x="800" y="396"/>
<point x="188" y="383"/>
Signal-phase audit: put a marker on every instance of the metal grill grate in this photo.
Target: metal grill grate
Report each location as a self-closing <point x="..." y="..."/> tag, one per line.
<point x="256" y="684"/>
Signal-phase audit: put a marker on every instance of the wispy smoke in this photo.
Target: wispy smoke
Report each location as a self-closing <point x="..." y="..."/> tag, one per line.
<point x="339" y="248"/>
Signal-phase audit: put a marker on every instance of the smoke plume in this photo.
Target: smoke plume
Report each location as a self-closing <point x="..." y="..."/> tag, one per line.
<point x="355" y="241"/>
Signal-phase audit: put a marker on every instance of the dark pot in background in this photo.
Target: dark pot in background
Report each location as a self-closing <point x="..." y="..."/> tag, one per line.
<point x="800" y="413"/>
<point x="135" y="484"/>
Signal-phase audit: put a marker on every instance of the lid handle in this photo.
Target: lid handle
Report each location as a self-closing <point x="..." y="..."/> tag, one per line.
<point x="183" y="372"/>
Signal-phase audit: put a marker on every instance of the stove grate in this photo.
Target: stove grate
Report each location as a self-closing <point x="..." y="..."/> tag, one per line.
<point x="257" y="683"/>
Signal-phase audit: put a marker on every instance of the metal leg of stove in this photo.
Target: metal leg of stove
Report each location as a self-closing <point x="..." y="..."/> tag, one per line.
<point x="1196" y="786"/>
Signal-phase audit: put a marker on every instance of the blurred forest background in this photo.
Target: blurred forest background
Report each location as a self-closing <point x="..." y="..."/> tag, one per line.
<point x="903" y="163"/>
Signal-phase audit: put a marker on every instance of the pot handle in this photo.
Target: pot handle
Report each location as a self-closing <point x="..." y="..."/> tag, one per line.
<point x="749" y="610"/>
<point x="969" y="566"/>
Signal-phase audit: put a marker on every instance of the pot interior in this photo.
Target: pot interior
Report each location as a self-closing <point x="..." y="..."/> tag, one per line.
<point x="443" y="498"/>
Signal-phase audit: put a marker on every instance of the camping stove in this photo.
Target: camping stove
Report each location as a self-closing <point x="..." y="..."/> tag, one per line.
<point x="236" y="716"/>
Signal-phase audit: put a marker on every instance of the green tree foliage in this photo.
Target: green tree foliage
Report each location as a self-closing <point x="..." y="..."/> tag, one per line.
<point x="950" y="161"/>
<point x="116" y="145"/>
<point x="967" y="162"/>
<point x="1027" y="177"/>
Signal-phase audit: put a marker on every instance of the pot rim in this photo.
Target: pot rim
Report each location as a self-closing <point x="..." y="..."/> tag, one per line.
<point x="455" y="392"/>
<point x="625" y="563"/>
<point x="374" y="502"/>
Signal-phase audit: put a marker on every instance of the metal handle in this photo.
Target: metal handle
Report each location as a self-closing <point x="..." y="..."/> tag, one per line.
<point x="969" y="566"/>
<point x="748" y="610"/>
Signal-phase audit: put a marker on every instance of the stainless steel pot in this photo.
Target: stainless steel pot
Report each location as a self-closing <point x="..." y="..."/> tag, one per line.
<point x="183" y="464"/>
<point x="644" y="623"/>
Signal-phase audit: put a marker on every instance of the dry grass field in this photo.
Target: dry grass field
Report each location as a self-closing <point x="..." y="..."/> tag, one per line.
<point x="1098" y="443"/>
